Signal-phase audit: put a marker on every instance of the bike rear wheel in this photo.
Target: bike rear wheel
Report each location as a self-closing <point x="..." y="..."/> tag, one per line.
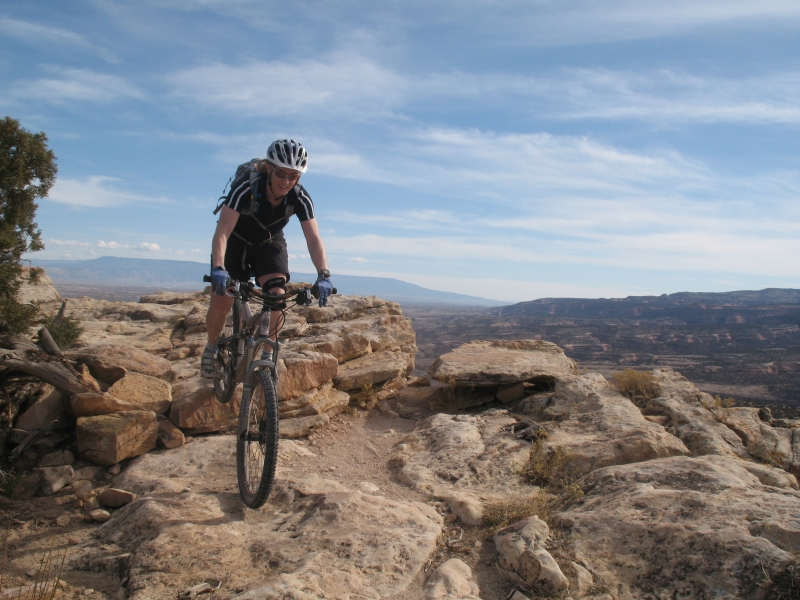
<point x="257" y="441"/>
<point x="225" y="368"/>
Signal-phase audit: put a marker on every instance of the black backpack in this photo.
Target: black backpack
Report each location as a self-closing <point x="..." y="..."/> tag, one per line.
<point x="250" y="170"/>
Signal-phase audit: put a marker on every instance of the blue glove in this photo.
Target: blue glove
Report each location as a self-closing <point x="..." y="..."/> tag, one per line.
<point x="322" y="289"/>
<point x="220" y="280"/>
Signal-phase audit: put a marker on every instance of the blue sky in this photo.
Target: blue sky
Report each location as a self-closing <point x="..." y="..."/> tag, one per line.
<point x="506" y="149"/>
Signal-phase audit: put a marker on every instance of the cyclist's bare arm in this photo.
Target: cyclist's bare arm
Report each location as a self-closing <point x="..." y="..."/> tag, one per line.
<point x="316" y="249"/>
<point x="227" y="221"/>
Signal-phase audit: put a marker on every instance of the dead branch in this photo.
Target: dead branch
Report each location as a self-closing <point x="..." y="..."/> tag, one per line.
<point x="58" y="373"/>
<point x="48" y="343"/>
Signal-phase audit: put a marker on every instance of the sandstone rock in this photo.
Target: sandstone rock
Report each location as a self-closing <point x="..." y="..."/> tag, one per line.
<point x="490" y="363"/>
<point x="467" y="460"/>
<point x="82" y="489"/>
<point x="584" y="579"/>
<point x="36" y="292"/>
<point x="110" y="363"/>
<point x="114" y="498"/>
<point x="521" y="549"/>
<point x="178" y="354"/>
<point x="114" y="469"/>
<point x="511" y="393"/>
<point x="371" y="369"/>
<point x="87" y="473"/>
<point x="594" y="426"/>
<point x="771" y="444"/>
<point x="148" y="392"/>
<point x="58" y="458"/>
<point x="170" y="436"/>
<point x="300" y="372"/>
<point x="343" y="348"/>
<point x="55" y="478"/>
<point x="195" y="407"/>
<point x="62" y="520"/>
<point x="317" y="535"/>
<point x="108" y="439"/>
<point x="683" y="527"/>
<point x="46" y="408"/>
<point x="452" y="580"/>
<point x="100" y="515"/>
<point x="322" y="400"/>
<point x="298" y="427"/>
<point x="90" y="504"/>
<point x="26" y="486"/>
<point x="169" y="298"/>
<point x="92" y="404"/>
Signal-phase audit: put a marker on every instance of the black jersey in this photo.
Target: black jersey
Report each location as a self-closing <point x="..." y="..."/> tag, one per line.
<point x="268" y="221"/>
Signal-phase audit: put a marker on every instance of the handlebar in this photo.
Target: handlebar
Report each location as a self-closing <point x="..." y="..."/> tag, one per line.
<point x="251" y="289"/>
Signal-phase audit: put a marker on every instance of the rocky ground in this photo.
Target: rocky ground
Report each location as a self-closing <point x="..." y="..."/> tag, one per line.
<point x="509" y="472"/>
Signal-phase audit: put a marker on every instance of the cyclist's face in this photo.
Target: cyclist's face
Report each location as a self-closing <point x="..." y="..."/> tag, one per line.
<point x="283" y="179"/>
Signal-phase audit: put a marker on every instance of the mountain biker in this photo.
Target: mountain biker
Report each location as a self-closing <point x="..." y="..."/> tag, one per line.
<point x="249" y="238"/>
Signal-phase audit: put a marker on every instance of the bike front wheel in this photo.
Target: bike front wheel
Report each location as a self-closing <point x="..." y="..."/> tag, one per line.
<point x="257" y="441"/>
<point x="227" y="354"/>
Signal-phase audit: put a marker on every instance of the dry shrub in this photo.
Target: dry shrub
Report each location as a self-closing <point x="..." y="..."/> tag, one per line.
<point x="46" y="580"/>
<point x="543" y="466"/>
<point x="503" y="513"/>
<point x="637" y="386"/>
<point x="785" y="585"/>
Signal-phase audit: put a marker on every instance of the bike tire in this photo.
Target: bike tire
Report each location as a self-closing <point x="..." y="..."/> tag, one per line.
<point x="257" y="441"/>
<point x="224" y="385"/>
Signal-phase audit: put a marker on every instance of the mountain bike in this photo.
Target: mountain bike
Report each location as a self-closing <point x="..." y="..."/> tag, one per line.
<point x="257" y="433"/>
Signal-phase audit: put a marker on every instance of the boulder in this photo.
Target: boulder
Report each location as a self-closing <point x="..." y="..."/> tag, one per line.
<point x="342" y="347"/>
<point x="521" y="549"/>
<point x="92" y="404"/>
<point x="196" y="409"/>
<point x="466" y="460"/>
<point x="592" y="425"/>
<point x="492" y="363"/>
<point x="317" y="535"/>
<point x="108" y="439"/>
<point x="114" y="498"/>
<point x="302" y="371"/>
<point x="321" y="400"/>
<point x="59" y="458"/>
<point x="452" y="580"/>
<point x="38" y="291"/>
<point x="110" y="363"/>
<point x="148" y="392"/>
<point x="770" y="444"/>
<point x="56" y="478"/>
<point x="683" y="527"/>
<point x="169" y="436"/>
<point x="46" y="408"/>
<point x="371" y="369"/>
<point x="298" y="427"/>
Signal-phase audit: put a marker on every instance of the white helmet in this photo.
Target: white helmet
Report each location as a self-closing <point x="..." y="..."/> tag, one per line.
<point x="289" y="154"/>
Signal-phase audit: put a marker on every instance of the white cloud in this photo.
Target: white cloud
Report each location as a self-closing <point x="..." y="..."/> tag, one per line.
<point x="112" y="245"/>
<point x="73" y="243"/>
<point x="36" y="33"/>
<point x="96" y="191"/>
<point x="346" y="84"/>
<point x="154" y="247"/>
<point x="74" y="85"/>
<point x="358" y="259"/>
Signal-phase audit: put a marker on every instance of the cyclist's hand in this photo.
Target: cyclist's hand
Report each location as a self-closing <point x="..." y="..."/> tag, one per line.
<point x="322" y="289"/>
<point x="220" y="280"/>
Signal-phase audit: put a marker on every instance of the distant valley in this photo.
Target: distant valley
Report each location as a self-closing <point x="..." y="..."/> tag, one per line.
<point x="744" y="345"/>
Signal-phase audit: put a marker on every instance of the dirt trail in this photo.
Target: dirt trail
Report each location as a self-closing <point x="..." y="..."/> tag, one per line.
<point x="354" y="450"/>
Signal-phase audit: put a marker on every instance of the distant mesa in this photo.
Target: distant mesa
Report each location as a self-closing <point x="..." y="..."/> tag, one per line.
<point x="188" y="275"/>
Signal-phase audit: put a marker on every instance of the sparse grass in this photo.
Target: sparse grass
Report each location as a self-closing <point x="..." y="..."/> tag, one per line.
<point x="497" y="515"/>
<point x="45" y="582"/>
<point x="637" y="386"/>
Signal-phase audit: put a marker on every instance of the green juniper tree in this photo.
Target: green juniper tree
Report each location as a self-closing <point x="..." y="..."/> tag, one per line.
<point x="27" y="172"/>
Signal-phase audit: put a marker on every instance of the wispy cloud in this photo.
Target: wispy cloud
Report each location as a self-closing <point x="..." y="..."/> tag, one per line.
<point x="96" y="191"/>
<point x="74" y="85"/>
<point x="150" y="247"/>
<point x="36" y="34"/>
<point x="71" y="243"/>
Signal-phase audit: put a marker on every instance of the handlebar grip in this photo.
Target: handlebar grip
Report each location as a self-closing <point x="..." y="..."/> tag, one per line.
<point x="207" y="278"/>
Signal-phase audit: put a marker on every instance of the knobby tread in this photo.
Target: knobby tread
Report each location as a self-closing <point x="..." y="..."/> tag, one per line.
<point x="254" y="494"/>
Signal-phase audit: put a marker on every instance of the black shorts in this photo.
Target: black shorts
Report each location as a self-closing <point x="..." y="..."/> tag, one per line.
<point x="243" y="261"/>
